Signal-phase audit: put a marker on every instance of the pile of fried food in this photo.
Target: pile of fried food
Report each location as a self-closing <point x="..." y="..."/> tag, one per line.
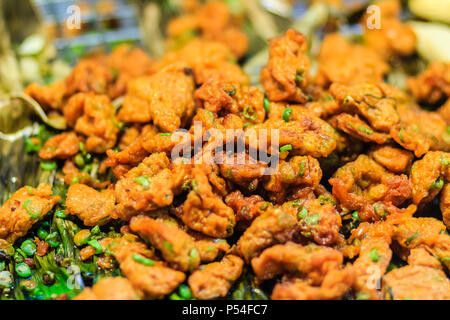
<point x="357" y="208"/>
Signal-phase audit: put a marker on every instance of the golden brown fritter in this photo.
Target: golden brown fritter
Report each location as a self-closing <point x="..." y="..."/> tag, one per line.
<point x="274" y="226"/>
<point x="444" y="203"/>
<point x="223" y="98"/>
<point x="204" y="210"/>
<point x="299" y="170"/>
<point x="91" y="206"/>
<point x="97" y="123"/>
<point x="126" y="63"/>
<point x="308" y="135"/>
<point x="394" y="159"/>
<point x="285" y="75"/>
<point x="209" y="248"/>
<point x="369" y="101"/>
<point x="61" y="146"/>
<point x="215" y="279"/>
<point x="319" y="220"/>
<point x="343" y="62"/>
<point x="302" y="133"/>
<point x="49" y="97"/>
<point x="25" y="207"/>
<point x="166" y="98"/>
<point x="367" y="187"/>
<point x="312" y="262"/>
<point x="175" y="245"/>
<point x="147" y="187"/>
<point x="149" y="141"/>
<point x="416" y="283"/>
<point x="357" y="128"/>
<point x="420" y="130"/>
<point x="393" y="38"/>
<point x="116" y="288"/>
<point x="205" y="59"/>
<point x="334" y="286"/>
<point x="246" y="209"/>
<point x="155" y="281"/>
<point x="212" y="21"/>
<point x="428" y="176"/>
<point x="432" y="85"/>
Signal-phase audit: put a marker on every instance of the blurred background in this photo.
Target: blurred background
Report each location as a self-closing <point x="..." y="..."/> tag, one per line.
<point x="39" y="44"/>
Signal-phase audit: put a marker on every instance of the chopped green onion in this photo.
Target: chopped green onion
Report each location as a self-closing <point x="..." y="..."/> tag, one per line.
<point x="287" y="114"/>
<point x="363" y="296"/>
<point x="287" y="147"/>
<point x="143" y="181"/>
<point x="118" y="124"/>
<point x="192" y="257"/>
<point x="61" y="214"/>
<point x="142" y="260"/>
<point x="185" y="291"/>
<point x="408" y="241"/>
<point x="33" y="214"/>
<point x="87" y="157"/>
<point x="81" y="147"/>
<point x="301" y="171"/>
<point x="438" y="184"/>
<point x="48" y="165"/>
<point x="312" y="219"/>
<point x="211" y="115"/>
<point x="400" y="135"/>
<point x="264" y="206"/>
<point x="96" y="245"/>
<point x="194" y="185"/>
<point x="355" y="216"/>
<point x="231" y="92"/>
<point x="249" y="113"/>
<point x="79" y="160"/>
<point x="266" y="104"/>
<point x="306" y="234"/>
<point x="95" y="230"/>
<point x="322" y="199"/>
<point x="365" y="130"/>
<point x="303" y="212"/>
<point x="373" y="254"/>
<point x="348" y="99"/>
<point x="444" y="161"/>
<point x="299" y="76"/>
<point x="169" y="247"/>
<point x="175" y="296"/>
<point x="165" y="134"/>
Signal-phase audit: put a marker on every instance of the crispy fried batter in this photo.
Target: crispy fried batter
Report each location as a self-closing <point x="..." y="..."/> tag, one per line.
<point x="215" y="279"/>
<point x="91" y="206"/>
<point x="25" y="207"/>
<point x="285" y="75"/>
